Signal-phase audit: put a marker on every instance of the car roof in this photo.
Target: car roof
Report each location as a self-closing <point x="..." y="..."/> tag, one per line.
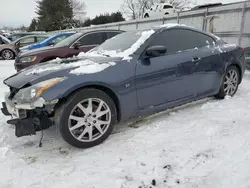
<point x="102" y="30"/>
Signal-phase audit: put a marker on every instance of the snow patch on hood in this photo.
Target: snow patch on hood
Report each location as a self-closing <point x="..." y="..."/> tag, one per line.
<point x="86" y="68"/>
<point x="58" y="66"/>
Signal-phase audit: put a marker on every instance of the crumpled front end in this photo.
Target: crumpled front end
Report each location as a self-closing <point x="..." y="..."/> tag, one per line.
<point x="28" y="117"/>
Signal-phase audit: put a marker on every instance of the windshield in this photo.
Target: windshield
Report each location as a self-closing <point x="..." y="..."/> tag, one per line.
<point x="120" y="42"/>
<point x="68" y="41"/>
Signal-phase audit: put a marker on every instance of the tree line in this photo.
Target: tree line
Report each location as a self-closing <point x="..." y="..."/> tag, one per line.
<point x="64" y="14"/>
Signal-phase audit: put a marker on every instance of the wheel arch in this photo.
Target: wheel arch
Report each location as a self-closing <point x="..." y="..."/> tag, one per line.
<point x="100" y="87"/>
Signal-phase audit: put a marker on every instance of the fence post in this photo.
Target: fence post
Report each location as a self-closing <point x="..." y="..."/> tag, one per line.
<point x="178" y="17"/>
<point x="204" y="27"/>
<point x="163" y="20"/>
<point x="242" y="22"/>
<point x="136" y="24"/>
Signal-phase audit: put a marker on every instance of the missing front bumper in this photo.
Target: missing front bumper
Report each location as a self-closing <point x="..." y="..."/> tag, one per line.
<point x="35" y="121"/>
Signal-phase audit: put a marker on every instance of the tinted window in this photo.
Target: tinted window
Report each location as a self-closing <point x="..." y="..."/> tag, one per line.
<point x="111" y="34"/>
<point x="167" y="6"/>
<point x="93" y="39"/>
<point x="181" y="39"/>
<point x="69" y="40"/>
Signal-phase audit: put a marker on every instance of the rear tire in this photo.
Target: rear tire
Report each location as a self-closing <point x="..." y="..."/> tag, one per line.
<point x="87" y="118"/>
<point x="230" y="82"/>
<point x="146" y="15"/>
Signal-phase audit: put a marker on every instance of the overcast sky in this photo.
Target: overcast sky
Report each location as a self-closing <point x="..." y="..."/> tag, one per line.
<point x="19" y="12"/>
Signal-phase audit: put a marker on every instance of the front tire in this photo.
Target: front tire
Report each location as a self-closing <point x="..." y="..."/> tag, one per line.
<point x="87" y="118"/>
<point x="8" y="54"/>
<point x="230" y="82"/>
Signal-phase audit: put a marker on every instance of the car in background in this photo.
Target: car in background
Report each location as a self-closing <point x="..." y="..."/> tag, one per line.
<point x="69" y="47"/>
<point x="4" y="40"/>
<point x="8" y="51"/>
<point x="6" y="34"/>
<point x="160" y="10"/>
<point x="51" y="41"/>
<point x="16" y="36"/>
<point x="247" y="52"/>
<point x="135" y="74"/>
<point x="206" y="5"/>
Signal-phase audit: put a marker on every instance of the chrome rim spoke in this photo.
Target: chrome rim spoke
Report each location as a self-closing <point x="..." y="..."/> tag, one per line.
<point x="90" y="108"/>
<point x="90" y="132"/>
<point x="99" y="128"/>
<point x="102" y="113"/>
<point x="76" y="118"/>
<point x="84" y="110"/>
<point x="83" y="133"/>
<point x="99" y="107"/>
<point x="78" y="125"/>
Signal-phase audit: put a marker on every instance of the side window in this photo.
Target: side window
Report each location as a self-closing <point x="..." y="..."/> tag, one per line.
<point x="176" y="40"/>
<point x="58" y="39"/>
<point x="41" y="38"/>
<point x="93" y="39"/>
<point x="112" y="34"/>
<point x="27" y="40"/>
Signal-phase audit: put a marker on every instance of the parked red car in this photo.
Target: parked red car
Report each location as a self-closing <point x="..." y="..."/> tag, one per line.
<point x="73" y="45"/>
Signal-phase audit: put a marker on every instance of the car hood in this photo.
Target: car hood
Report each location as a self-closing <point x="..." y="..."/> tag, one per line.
<point x="39" y="50"/>
<point x="59" y="68"/>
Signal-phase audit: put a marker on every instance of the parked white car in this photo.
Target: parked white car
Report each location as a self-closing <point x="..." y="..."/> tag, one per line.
<point x="160" y="10"/>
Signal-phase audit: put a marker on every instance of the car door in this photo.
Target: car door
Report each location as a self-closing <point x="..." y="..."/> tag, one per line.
<point x="167" y="78"/>
<point x="208" y="64"/>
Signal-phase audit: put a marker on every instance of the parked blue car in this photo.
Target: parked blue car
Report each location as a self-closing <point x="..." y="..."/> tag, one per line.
<point x="48" y="42"/>
<point x="133" y="74"/>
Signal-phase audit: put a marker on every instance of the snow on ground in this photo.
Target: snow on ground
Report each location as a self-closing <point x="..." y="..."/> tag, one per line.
<point x="204" y="144"/>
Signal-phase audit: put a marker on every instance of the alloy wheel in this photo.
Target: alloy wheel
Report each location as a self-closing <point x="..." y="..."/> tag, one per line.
<point x="231" y="82"/>
<point x="89" y="120"/>
<point x="7" y="54"/>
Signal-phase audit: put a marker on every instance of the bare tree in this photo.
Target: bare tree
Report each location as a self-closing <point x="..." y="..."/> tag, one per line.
<point x="78" y="8"/>
<point x="136" y="8"/>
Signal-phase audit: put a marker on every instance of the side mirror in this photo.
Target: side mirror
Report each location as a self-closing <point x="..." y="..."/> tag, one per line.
<point x="77" y="45"/>
<point x="155" y="51"/>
